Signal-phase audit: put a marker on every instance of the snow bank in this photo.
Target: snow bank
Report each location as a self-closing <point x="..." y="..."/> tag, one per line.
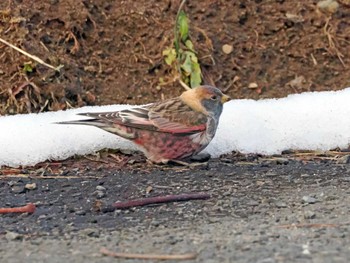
<point x="309" y="121"/>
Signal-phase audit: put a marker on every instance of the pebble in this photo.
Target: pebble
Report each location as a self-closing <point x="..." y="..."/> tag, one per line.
<point x="18" y="188"/>
<point x="280" y="204"/>
<point x="99" y="194"/>
<point x="90" y="232"/>
<point x="328" y="6"/>
<point x="309" y="199"/>
<point x="100" y="188"/>
<point x="13" y="236"/>
<point x="80" y="212"/>
<point x="227" y="49"/>
<point x="155" y="223"/>
<point x="30" y="186"/>
<point x="309" y="214"/>
<point x="202" y="157"/>
<point x="253" y="85"/>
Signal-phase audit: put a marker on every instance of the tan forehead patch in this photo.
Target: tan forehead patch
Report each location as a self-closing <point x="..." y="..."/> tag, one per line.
<point x="193" y="99"/>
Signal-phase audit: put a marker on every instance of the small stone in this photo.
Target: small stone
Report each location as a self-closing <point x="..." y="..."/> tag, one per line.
<point x="80" y="212"/>
<point x="227" y="49"/>
<point x="280" y="204"/>
<point x="10" y="236"/>
<point x="227" y="193"/>
<point x="309" y="199"/>
<point x="155" y="223"/>
<point x="90" y="232"/>
<point x="294" y="18"/>
<point x="201" y="157"/>
<point x="18" y="188"/>
<point x="328" y="6"/>
<point x="99" y="194"/>
<point x="100" y="188"/>
<point x="42" y="217"/>
<point x="306" y="250"/>
<point x="30" y="186"/>
<point x="253" y="85"/>
<point x="309" y="215"/>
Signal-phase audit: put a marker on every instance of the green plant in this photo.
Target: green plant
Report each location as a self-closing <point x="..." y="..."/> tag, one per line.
<point x="182" y="54"/>
<point x="28" y="67"/>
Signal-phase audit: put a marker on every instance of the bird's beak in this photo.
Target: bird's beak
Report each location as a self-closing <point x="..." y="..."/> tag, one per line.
<point x="225" y="98"/>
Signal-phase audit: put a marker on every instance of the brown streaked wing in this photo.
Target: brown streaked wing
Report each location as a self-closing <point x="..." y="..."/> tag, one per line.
<point x="176" y="116"/>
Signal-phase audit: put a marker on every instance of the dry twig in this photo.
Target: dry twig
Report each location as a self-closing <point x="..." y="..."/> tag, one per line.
<point x="160" y="200"/>
<point x="29" y="208"/>
<point x="327" y="29"/>
<point x="31" y="56"/>
<point x="188" y="256"/>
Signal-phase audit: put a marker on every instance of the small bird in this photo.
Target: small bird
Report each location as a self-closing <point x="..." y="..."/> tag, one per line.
<point x="170" y="130"/>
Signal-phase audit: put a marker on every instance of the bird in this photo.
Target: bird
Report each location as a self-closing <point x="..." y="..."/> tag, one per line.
<point x="171" y="130"/>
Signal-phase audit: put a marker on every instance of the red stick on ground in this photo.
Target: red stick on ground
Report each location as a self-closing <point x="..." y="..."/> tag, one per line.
<point x="29" y="208"/>
<point x="160" y="199"/>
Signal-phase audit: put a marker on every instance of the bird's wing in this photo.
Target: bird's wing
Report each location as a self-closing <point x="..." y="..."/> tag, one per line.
<point x="156" y="117"/>
<point x="174" y="116"/>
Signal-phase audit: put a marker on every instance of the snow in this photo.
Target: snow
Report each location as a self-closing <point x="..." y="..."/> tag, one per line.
<point x="308" y="121"/>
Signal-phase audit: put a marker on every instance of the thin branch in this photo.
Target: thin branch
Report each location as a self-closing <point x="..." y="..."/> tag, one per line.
<point x="31" y="56"/>
<point x="160" y="200"/>
<point x="184" y="85"/>
<point x="29" y="208"/>
<point x="188" y="256"/>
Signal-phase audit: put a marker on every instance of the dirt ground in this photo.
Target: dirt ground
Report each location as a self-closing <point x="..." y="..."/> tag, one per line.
<point x="112" y="50"/>
<point x="288" y="208"/>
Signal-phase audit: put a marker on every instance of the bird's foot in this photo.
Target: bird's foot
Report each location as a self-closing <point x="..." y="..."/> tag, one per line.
<point x="201" y="157"/>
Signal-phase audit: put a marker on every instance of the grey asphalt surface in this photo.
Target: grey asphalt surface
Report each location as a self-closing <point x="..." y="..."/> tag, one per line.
<point x="261" y="210"/>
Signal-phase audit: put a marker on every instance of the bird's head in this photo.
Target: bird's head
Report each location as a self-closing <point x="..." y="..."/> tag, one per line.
<point x="205" y="99"/>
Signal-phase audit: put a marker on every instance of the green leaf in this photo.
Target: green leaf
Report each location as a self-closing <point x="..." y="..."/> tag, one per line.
<point x="187" y="65"/>
<point x="170" y="55"/>
<point x="189" y="45"/>
<point x="182" y="24"/>
<point x="27" y="67"/>
<point x="195" y="75"/>
<point x="193" y="57"/>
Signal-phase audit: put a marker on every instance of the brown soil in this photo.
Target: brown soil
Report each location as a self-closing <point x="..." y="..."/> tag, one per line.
<point x="112" y="50"/>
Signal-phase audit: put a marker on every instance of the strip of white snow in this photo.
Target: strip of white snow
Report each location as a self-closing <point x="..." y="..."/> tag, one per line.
<point x="308" y="121"/>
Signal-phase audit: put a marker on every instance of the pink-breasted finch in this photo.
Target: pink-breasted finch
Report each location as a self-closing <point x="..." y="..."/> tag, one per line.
<point x="173" y="129"/>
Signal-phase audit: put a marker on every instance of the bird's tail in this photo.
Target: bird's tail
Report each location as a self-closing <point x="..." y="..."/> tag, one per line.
<point x="91" y="122"/>
<point x="99" y="123"/>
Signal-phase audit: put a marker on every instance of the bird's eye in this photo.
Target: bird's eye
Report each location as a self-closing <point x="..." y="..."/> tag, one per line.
<point x="214" y="97"/>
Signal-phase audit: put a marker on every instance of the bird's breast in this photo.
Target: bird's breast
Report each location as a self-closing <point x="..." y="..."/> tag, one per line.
<point x="205" y="137"/>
